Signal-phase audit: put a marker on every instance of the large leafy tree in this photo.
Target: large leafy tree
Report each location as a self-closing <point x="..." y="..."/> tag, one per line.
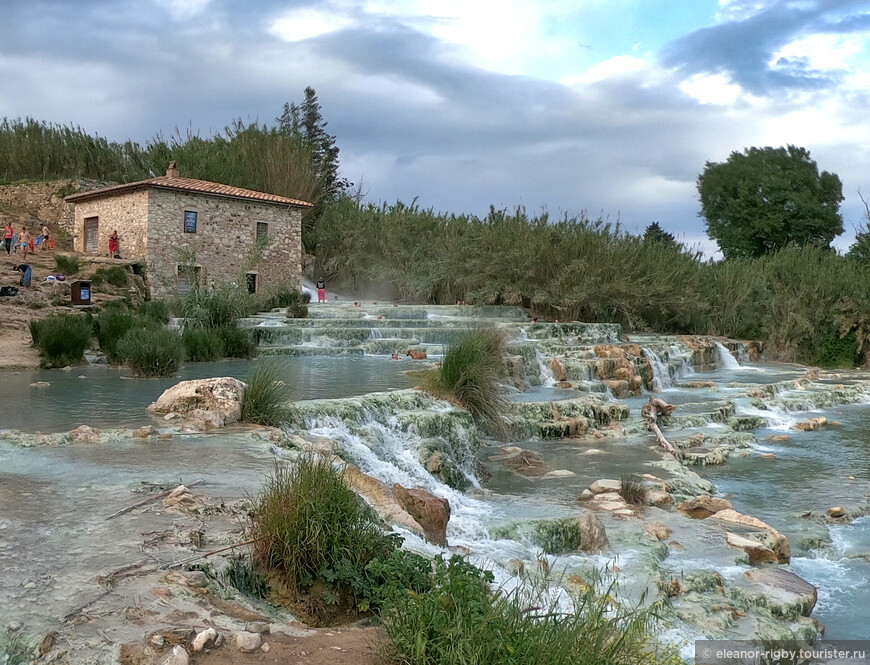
<point x="764" y="199"/>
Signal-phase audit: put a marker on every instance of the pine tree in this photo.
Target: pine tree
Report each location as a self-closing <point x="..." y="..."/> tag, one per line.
<point x="655" y="233"/>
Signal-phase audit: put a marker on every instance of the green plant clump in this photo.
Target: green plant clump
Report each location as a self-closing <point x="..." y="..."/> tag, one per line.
<point x="202" y="344"/>
<point x="215" y="308"/>
<point x="111" y="324"/>
<point x="68" y="264"/>
<point x="632" y="489"/>
<point x="470" y="374"/>
<point x="155" y="309"/>
<point x="115" y="275"/>
<point x="297" y="307"/>
<point x="461" y="620"/>
<point x="152" y="351"/>
<point x="316" y="535"/>
<point x="61" y="339"/>
<point x="237" y="343"/>
<point x="264" y="400"/>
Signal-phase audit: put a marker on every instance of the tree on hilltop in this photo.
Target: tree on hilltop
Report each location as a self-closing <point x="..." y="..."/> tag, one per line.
<point x="655" y="233"/>
<point x="764" y="199"/>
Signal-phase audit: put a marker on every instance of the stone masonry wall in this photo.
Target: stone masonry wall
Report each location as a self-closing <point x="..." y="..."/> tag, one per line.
<point x="126" y="213"/>
<point x="224" y="242"/>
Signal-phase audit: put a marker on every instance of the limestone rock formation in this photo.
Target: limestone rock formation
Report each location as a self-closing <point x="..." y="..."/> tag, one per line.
<point x="701" y="507"/>
<point x="431" y="512"/>
<point x="216" y="400"/>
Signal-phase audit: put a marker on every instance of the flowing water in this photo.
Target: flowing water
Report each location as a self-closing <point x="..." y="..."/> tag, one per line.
<point x="53" y="500"/>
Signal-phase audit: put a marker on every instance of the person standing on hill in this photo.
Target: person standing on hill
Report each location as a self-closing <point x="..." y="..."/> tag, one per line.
<point x="24" y="240"/>
<point x="43" y="244"/>
<point x="321" y="290"/>
<point x="8" y="232"/>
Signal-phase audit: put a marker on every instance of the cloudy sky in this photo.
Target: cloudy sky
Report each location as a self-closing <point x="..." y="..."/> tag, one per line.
<point x="606" y="106"/>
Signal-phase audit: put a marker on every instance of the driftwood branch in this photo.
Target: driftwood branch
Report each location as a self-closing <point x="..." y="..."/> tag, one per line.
<point x="650" y="412"/>
<point x="155" y="497"/>
<point x="204" y="555"/>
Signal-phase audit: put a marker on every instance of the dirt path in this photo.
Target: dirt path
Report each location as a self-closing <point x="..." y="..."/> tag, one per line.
<point x="326" y="646"/>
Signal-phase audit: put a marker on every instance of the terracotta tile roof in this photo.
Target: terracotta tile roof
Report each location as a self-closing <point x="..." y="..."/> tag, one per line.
<point x="188" y="185"/>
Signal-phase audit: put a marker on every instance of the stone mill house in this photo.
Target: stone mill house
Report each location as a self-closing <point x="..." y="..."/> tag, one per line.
<point x="183" y="232"/>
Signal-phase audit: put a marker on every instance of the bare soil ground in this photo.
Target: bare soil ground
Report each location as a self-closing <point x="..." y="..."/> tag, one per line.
<point x="325" y="646"/>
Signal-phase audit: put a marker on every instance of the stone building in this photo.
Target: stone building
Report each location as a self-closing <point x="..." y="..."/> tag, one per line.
<point x="186" y="232"/>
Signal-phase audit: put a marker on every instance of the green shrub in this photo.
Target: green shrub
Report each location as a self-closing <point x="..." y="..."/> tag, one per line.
<point x="202" y="344"/>
<point x="112" y="324"/>
<point x="68" y="264"/>
<point x="114" y="275"/>
<point x="296" y="306"/>
<point x="155" y="309"/>
<point x="632" y="489"/>
<point x="237" y="343"/>
<point x="316" y="536"/>
<point x="461" y="620"/>
<point x="215" y="308"/>
<point x="469" y="375"/>
<point x="61" y="339"/>
<point x="264" y="401"/>
<point x="151" y="351"/>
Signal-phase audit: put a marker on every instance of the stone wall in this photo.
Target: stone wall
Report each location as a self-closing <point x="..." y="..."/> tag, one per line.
<point x="127" y="213"/>
<point x="225" y="240"/>
<point x="42" y="203"/>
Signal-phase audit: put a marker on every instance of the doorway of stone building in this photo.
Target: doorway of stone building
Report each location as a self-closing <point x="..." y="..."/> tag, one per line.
<point x="92" y="235"/>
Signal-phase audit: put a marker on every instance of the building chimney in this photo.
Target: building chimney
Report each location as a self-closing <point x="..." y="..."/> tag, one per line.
<point x="172" y="170"/>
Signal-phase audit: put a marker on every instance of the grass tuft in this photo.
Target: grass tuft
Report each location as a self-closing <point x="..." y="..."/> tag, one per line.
<point x="155" y="309"/>
<point x="632" y="489"/>
<point x="264" y="401"/>
<point x="462" y="620"/>
<point x="470" y="375"/>
<point x="316" y="535"/>
<point x="151" y="351"/>
<point x="117" y="276"/>
<point x="68" y="264"/>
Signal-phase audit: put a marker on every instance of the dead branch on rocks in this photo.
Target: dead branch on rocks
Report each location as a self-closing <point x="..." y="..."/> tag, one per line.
<point x="155" y="497"/>
<point x="650" y="412"/>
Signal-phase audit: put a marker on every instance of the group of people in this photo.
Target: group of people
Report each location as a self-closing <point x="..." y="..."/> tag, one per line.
<point x="24" y="242"/>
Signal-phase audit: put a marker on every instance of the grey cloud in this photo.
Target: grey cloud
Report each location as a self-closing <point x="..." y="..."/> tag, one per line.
<point x="743" y="48"/>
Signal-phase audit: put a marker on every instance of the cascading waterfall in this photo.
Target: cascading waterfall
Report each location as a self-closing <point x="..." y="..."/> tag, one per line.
<point x="726" y="360"/>
<point x="547" y="376"/>
<point x="661" y="373"/>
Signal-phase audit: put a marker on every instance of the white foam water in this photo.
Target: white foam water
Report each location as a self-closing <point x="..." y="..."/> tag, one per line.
<point x="661" y="373"/>
<point x="726" y="360"/>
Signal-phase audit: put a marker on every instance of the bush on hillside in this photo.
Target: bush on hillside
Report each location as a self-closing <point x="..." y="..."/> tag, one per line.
<point x="470" y="375"/>
<point x="68" y="264"/>
<point x="117" y="276"/>
<point x="265" y="398"/>
<point x="61" y="339"/>
<point x="151" y="351"/>
<point x="316" y="536"/>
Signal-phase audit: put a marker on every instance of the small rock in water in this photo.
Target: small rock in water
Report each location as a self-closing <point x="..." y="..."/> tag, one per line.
<point x="593" y="451"/>
<point x="558" y="473"/>
<point x="768" y="456"/>
<point x="778" y="437"/>
<point x="850" y="477"/>
<point x="604" y="485"/>
<point x="82" y="376"/>
<point x="836" y="512"/>
<point x="40" y="384"/>
<point x="585" y="495"/>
